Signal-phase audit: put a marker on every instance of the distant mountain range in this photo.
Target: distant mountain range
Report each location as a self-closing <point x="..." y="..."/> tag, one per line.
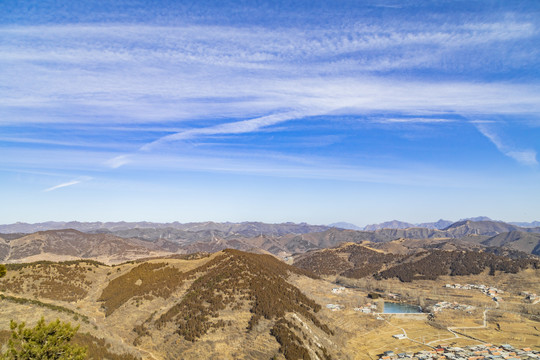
<point x="119" y="242"/>
<point x="345" y="225"/>
<point x="527" y="224"/>
<point x="243" y="228"/>
<point x="440" y="224"/>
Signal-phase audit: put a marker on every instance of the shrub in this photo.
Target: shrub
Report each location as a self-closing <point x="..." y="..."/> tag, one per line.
<point x="44" y="341"/>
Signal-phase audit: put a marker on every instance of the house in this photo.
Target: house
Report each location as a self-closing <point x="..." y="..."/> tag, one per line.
<point x="334" y="307"/>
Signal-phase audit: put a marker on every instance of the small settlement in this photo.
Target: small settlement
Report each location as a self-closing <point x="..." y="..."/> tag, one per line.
<point x="490" y="291"/>
<point x="475" y="352"/>
<point x="451" y="305"/>
<point x="367" y="309"/>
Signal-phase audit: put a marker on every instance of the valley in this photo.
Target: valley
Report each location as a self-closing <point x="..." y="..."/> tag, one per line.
<point x="221" y="306"/>
<point x="140" y="299"/>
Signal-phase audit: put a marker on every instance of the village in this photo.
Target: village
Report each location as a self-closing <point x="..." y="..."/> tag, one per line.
<point x="490" y="291"/>
<point x="484" y="351"/>
<point x="474" y="352"/>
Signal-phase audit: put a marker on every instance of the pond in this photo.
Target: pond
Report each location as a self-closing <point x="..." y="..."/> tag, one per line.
<point x="400" y="308"/>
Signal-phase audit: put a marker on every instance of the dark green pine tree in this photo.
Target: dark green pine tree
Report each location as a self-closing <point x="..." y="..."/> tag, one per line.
<point x="43" y="342"/>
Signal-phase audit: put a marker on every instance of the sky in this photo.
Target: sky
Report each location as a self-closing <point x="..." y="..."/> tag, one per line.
<point x="274" y="111"/>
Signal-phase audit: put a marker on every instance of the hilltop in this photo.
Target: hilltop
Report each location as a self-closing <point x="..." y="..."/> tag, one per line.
<point x="230" y="304"/>
<point x="71" y="244"/>
<point x="360" y="260"/>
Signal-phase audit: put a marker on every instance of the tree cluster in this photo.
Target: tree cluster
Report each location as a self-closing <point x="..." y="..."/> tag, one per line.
<point x="290" y="344"/>
<point x="433" y="264"/>
<point x="353" y="261"/>
<point x="45" y="341"/>
<point x="259" y="281"/>
<point x="64" y="281"/>
<point x="357" y="261"/>
<point x="142" y="282"/>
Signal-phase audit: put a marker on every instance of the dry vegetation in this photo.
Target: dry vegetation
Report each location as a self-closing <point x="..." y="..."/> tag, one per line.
<point x="351" y="260"/>
<point x="235" y="280"/>
<point x="97" y="349"/>
<point x="243" y="306"/>
<point x="358" y="261"/>
<point x="66" y="281"/>
<point x="435" y="263"/>
<point x="143" y="282"/>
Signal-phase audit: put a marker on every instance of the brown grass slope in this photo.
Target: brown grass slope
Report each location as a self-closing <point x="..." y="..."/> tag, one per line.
<point x="66" y="281"/>
<point x="245" y="296"/>
<point x="516" y="240"/>
<point x="75" y="244"/>
<point x="232" y="293"/>
<point x="228" y="305"/>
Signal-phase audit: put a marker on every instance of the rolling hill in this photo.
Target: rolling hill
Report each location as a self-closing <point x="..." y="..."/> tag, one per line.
<point x="238" y="305"/>
<point x="72" y="244"/>
<point x="516" y="240"/>
<point x="359" y="260"/>
<point x="230" y="304"/>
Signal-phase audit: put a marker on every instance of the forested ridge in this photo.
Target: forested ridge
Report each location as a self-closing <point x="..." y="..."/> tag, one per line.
<point x="358" y="261"/>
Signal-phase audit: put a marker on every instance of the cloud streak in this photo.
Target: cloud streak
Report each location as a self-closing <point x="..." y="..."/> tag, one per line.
<point x="523" y="156"/>
<point x="66" y="184"/>
<point x="238" y="127"/>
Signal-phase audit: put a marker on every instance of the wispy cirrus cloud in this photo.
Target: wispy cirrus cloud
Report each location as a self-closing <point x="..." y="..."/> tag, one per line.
<point x="523" y="156"/>
<point x="256" y="47"/>
<point x="151" y="73"/>
<point x="230" y="128"/>
<point x="413" y="120"/>
<point x="206" y="80"/>
<point x="66" y="184"/>
<point x="119" y="161"/>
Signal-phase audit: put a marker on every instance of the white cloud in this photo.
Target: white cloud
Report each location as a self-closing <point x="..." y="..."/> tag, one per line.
<point x="118" y="74"/>
<point x="118" y="161"/>
<point x="522" y="156"/>
<point x="412" y="120"/>
<point x="66" y="184"/>
<point x="525" y="157"/>
<point x="205" y="78"/>
<point x="237" y="127"/>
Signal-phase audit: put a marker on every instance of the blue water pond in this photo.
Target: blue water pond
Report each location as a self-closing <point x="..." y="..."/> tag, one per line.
<point x="400" y="308"/>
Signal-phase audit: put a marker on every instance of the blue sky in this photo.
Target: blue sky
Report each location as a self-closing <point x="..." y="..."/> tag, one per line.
<point x="315" y="111"/>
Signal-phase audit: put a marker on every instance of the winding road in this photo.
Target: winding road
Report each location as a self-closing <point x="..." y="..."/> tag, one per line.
<point x="453" y="329"/>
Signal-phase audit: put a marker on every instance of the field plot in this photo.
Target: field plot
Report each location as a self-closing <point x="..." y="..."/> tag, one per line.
<point x="368" y="345"/>
<point x="503" y="327"/>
